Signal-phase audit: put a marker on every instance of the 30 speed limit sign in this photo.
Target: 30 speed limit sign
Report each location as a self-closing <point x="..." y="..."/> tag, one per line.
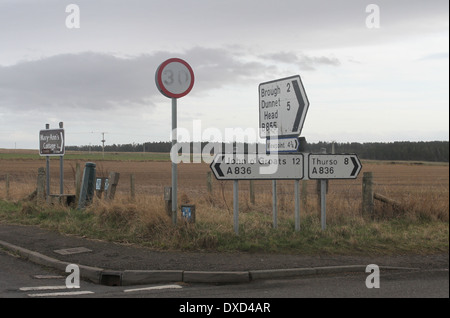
<point x="174" y="78"/>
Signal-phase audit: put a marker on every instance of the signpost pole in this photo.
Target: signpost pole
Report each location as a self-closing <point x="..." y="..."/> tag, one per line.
<point x="61" y="168"/>
<point x="323" y="203"/>
<point x="236" y="206"/>
<point x="297" y="204"/>
<point x="47" y="171"/>
<point x="174" y="164"/>
<point x="174" y="79"/>
<point x="274" y="203"/>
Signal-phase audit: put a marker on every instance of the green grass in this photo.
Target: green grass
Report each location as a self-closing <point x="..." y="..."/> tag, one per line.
<point x="128" y="222"/>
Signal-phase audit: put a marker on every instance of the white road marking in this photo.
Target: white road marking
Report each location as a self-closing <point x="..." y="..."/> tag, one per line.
<point x="53" y="294"/>
<point x="48" y="276"/>
<point x="153" y="288"/>
<point x="43" y="288"/>
<point x="75" y="250"/>
<point x="75" y="293"/>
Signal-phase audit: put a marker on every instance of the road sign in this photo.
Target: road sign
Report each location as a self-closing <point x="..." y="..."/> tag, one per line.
<point x="283" y="105"/>
<point x="174" y="78"/>
<point x="51" y="142"/>
<point x="282" y="144"/>
<point x="255" y="166"/>
<point x="337" y="166"/>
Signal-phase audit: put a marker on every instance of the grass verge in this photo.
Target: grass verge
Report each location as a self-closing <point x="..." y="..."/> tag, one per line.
<point x="144" y="222"/>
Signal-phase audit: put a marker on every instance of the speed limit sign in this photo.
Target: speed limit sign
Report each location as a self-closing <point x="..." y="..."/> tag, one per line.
<point x="174" y="78"/>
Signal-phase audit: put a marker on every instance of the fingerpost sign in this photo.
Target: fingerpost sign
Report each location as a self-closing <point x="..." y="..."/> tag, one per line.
<point x="283" y="105"/>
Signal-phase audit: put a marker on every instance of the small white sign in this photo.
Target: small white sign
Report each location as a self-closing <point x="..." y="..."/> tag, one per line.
<point x="284" y="144"/>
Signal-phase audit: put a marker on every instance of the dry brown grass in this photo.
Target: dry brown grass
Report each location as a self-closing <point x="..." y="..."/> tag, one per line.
<point x="422" y="191"/>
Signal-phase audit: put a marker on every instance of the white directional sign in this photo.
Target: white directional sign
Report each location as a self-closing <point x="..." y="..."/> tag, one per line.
<point x="255" y="166"/>
<point x="338" y="166"/>
<point x="283" y="105"/>
<point x="282" y="144"/>
<point x="51" y="142"/>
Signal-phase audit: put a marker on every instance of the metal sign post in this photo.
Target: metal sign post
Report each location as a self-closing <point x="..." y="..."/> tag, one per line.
<point x="236" y="206"/>
<point x="174" y="164"/>
<point x="174" y="79"/>
<point x="259" y="167"/>
<point x="61" y="168"/>
<point x="331" y="166"/>
<point x="283" y="106"/>
<point x="52" y="143"/>
<point x="47" y="172"/>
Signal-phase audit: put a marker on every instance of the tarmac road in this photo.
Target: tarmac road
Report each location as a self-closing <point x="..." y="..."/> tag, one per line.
<point x="106" y="263"/>
<point x="23" y="279"/>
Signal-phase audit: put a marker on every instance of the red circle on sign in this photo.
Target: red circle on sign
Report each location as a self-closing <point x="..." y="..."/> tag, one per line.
<point x="179" y="78"/>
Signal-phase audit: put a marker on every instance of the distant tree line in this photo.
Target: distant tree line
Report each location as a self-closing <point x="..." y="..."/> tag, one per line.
<point x="403" y="150"/>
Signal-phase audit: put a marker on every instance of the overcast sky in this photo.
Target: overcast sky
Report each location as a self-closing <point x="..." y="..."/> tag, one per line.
<point x="364" y="84"/>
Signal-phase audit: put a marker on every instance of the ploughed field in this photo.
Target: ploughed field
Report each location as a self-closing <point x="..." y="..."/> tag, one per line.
<point x="396" y="180"/>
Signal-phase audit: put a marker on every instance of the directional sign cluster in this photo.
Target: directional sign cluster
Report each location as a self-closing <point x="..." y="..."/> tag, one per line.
<point x="286" y="166"/>
<point x="283" y="105"/>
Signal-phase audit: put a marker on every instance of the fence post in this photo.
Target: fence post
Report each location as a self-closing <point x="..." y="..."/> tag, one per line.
<point x="41" y="184"/>
<point x="367" y="193"/>
<point x="209" y="182"/>
<point x="113" y="182"/>
<point x="7" y="186"/>
<point x="132" y="187"/>
<point x="77" y="181"/>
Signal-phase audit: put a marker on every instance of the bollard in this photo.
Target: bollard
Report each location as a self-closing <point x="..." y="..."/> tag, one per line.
<point x="87" y="185"/>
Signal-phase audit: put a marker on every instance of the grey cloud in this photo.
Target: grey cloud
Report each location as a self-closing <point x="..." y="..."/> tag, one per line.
<point x="217" y="67"/>
<point x="97" y="81"/>
<point x="305" y="62"/>
<point x="86" y="80"/>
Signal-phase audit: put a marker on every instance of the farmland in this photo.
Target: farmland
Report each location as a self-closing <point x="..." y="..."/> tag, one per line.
<point x="421" y="188"/>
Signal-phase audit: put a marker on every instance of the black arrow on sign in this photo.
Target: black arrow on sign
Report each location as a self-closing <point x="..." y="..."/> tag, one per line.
<point x="217" y="167"/>
<point x="301" y="105"/>
<point x="356" y="166"/>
